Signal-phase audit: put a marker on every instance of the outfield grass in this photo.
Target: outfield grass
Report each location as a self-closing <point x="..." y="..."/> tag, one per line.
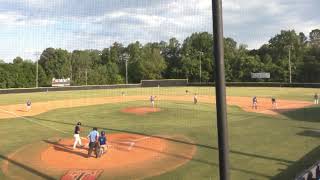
<point x="262" y="147"/>
<point x="281" y="93"/>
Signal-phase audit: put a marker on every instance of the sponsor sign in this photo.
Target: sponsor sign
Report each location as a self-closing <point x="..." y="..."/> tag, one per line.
<point x="262" y="75"/>
<point x="60" y="82"/>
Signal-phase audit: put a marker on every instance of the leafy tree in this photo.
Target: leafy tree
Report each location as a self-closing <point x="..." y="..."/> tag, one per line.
<point x="315" y="37"/>
<point x="195" y="48"/>
<point x="17" y="60"/>
<point x="56" y="63"/>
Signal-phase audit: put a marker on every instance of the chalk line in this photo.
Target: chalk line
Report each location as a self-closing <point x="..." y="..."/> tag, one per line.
<point x="30" y="120"/>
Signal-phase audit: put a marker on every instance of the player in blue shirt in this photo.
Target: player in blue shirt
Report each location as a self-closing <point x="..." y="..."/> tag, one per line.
<point x="93" y="142"/>
<point x="102" y="140"/>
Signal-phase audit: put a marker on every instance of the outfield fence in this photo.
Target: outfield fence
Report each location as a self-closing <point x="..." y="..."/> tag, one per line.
<point x="164" y="82"/>
<point x="67" y="88"/>
<point x="259" y="84"/>
<point x="158" y="83"/>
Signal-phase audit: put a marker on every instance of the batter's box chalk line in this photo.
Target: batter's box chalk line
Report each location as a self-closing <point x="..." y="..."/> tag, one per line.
<point x="131" y="142"/>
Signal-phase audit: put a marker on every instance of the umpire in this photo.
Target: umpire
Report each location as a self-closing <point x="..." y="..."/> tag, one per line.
<point x="93" y="142"/>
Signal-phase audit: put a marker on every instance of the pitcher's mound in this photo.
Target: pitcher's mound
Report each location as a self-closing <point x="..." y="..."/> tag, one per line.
<point x="140" y="110"/>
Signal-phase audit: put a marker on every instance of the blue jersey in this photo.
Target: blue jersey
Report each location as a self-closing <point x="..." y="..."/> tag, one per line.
<point x="102" y="140"/>
<point x="93" y="135"/>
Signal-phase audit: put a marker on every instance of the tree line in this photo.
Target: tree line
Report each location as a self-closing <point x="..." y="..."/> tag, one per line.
<point x="172" y="60"/>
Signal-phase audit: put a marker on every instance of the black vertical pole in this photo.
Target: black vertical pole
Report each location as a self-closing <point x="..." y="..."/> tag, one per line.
<point x="220" y="90"/>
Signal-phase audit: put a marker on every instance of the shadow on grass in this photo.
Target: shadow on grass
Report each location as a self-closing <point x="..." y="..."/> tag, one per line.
<point x="299" y="166"/>
<point x="175" y="140"/>
<point x="308" y="114"/>
<point x="310" y="133"/>
<point x="27" y="168"/>
<point x="179" y="156"/>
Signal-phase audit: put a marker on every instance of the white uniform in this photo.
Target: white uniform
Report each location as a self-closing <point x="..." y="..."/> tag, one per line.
<point x="76" y="136"/>
<point x="28" y="105"/>
<point x="316" y="99"/>
<point x="152" y="100"/>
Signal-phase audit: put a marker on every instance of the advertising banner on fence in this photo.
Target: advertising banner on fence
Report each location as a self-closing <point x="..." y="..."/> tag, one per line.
<point x="60" y="82"/>
<point x="262" y="75"/>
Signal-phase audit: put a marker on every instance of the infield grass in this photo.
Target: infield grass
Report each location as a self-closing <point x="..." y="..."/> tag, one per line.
<point x="261" y="147"/>
<point x="305" y="94"/>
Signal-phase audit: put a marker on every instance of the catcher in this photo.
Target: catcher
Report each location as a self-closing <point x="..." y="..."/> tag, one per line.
<point x="102" y="144"/>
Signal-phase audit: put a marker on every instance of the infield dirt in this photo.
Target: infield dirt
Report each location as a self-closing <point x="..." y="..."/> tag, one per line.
<point x="264" y="104"/>
<point x="130" y="155"/>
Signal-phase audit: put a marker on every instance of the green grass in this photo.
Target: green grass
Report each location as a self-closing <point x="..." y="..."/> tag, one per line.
<point x="282" y="93"/>
<point x="261" y="147"/>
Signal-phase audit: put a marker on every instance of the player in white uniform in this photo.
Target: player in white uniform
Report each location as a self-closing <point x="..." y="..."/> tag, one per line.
<point x="152" y="100"/>
<point x="28" y="105"/>
<point x="195" y="99"/>
<point x="316" y="98"/>
<point x="254" y="103"/>
<point x="76" y="135"/>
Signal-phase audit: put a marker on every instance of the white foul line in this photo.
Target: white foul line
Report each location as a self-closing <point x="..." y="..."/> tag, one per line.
<point x="137" y="140"/>
<point x="30" y="120"/>
<point x="140" y="139"/>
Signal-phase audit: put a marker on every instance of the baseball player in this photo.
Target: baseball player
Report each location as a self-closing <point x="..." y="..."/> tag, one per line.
<point x="254" y="102"/>
<point x="102" y="144"/>
<point x="76" y="135"/>
<point x="28" y="105"/>
<point x="195" y="99"/>
<point x="274" y="103"/>
<point x="93" y="142"/>
<point x="152" y="98"/>
<point x="316" y="98"/>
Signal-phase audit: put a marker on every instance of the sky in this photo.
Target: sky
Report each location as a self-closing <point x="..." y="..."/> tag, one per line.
<point x="27" y="27"/>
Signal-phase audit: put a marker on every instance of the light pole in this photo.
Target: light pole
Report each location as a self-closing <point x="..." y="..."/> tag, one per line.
<point x="37" y="73"/>
<point x="37" y="54"/>
<point x="290" y="71"/>
<point x="290" y="79"/>
<point x="200" y="67"/>
<point x="125" y="57"/>
<point x="86" y="77"/>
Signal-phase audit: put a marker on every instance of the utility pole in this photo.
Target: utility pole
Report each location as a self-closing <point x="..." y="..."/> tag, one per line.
<point x="200" y="68"/>
<point x="37" y="57"/>
<point x="125" y="57"/>
<point x="289" y="59"/>
<point x="126" y="71"/>
<point x="86" y="77"/>
<point x="290" y="79"/>
<point x="37" y="73"/>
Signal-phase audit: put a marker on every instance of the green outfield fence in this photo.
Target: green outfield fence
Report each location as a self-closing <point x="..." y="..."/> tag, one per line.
<point x="164" y="82"/>
<point x="259" y="84"/>
<point x="156" y="83"/>
<point x="67" y="88"/>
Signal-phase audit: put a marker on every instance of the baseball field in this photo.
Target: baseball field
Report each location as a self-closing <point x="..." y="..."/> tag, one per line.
<point x="176" y="139"/>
